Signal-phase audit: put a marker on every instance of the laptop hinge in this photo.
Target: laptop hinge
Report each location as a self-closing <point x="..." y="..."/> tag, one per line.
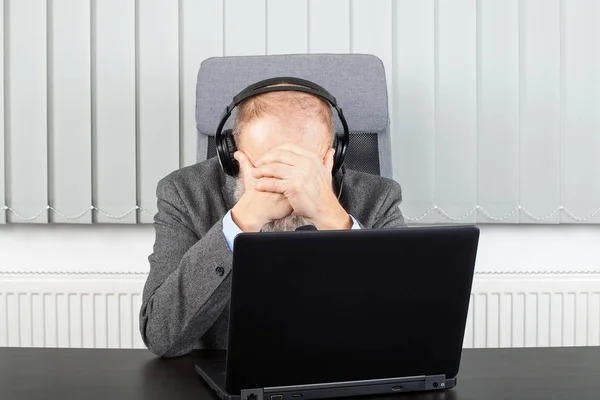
<point x="433" y="382"/>
<point x="251" y="394"/>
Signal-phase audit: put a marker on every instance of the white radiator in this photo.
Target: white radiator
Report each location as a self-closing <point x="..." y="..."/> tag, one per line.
<point x="534" y="311"/>
<point x="70" y="311"/>
<point x="102" y="312"/>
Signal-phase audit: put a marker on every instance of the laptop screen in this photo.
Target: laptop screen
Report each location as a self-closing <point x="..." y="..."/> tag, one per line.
<point x="316" y="307"/>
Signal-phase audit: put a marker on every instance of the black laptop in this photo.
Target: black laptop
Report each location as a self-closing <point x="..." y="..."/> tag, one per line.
<point x="319" y="314"/>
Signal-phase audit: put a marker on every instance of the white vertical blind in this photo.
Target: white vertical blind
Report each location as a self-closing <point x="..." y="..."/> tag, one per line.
<point x="329" y="26"/>
<point x="245" y="27"/>
<point x="26" y="135"/>
<point x="540" y="109"/>
<point x="456" y="108"/>
<point x="580" y="178"/>
<point x="201" y="27"/>
<point x="115" y="110"/>
<point x="287" y="24"/>
<point x="158" y="99"/>
<point x="413" y="115"/>
<point x="494" y="104"/>
<point x="498" y="109"/>
<point x="69" y="108"/>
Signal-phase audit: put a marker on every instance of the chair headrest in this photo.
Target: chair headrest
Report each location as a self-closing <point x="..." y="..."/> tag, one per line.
<point x="357" y="81"/>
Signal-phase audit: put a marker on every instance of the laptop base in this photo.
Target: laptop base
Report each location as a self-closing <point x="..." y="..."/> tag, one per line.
<point x="210" y="365"/>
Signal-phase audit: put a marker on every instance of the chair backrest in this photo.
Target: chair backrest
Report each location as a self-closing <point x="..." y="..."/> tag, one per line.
<point x="357" y="81"/>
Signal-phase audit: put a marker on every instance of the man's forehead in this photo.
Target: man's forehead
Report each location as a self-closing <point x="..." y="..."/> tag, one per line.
<point x="287" y="127"/>
<point x="267" y="132"/>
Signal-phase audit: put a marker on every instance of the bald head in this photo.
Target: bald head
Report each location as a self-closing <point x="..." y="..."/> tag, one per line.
<point x="275" y="118"/>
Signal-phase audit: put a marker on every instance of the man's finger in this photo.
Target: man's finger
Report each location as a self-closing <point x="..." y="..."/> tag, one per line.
<point x="279" y="155"/>
<point x="272" y="185"/>
<point x="275" y="170"/>
<point x="296" y="149"/>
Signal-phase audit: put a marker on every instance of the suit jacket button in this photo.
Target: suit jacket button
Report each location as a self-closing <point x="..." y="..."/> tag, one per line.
<point x="220" y="271"/>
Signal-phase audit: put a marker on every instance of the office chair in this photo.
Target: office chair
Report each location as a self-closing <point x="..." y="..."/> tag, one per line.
<point x="356" y="80"/>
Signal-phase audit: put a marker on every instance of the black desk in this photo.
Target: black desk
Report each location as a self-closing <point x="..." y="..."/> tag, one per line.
<point x="486" y="374"/>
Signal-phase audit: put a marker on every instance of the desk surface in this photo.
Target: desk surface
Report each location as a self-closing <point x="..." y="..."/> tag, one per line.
<point x="490" y="374"/>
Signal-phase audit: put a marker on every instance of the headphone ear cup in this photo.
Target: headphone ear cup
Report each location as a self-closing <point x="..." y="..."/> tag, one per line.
<point x="232" y="164"/>
<point x="338" y="156"/>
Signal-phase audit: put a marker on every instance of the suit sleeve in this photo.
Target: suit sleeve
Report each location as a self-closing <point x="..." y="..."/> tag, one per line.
<point x="187" y="287"/>
<point x="389" y="214"/>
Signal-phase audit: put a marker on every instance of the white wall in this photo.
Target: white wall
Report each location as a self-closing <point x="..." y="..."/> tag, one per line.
<point x="75" y="248"/>
<point x="124" y="249"/>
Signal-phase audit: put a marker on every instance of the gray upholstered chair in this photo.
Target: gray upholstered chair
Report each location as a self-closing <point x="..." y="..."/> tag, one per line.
<point x="356" y="80"/>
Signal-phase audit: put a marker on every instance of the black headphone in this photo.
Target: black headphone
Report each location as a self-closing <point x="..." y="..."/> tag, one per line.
<point x="225" y="144"/>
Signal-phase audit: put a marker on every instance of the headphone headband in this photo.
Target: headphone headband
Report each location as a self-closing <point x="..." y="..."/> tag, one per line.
<point x="250" y="93"/>
<point x="225" y="145"/>
<point x="291" y="80"/>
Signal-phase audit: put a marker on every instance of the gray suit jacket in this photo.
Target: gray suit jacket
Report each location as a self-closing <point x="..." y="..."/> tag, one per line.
<point x="185" y="303"/>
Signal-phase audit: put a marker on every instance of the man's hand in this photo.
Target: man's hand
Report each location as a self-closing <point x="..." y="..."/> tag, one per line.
<point x="255" y="208"/>
<point x="305" y="180"/>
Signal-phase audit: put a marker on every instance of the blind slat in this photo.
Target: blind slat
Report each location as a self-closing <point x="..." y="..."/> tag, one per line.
<point x="26" y="186"/>
<point x="286" y="35"/>
<point x="2" y="160"/>
<point x="115" y="107"/>
<point x="580" y="186"/>
<point x="239" y="39"/>
<point x="158" y="101"/>
<point x="540" y="109"/>
<point x="328" y="26"/>
<point x="456" y="110"/>
<point x="70" y="105"/>
<point x="498" y="111"/>
<point x="413" y="122"/>
<point x="202" y="37"/>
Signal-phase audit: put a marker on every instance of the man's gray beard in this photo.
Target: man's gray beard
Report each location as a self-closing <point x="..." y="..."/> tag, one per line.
<point x="288" y="223"/>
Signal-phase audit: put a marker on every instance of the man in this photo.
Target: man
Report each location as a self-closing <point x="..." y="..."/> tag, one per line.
<point x="285" y="158"/>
